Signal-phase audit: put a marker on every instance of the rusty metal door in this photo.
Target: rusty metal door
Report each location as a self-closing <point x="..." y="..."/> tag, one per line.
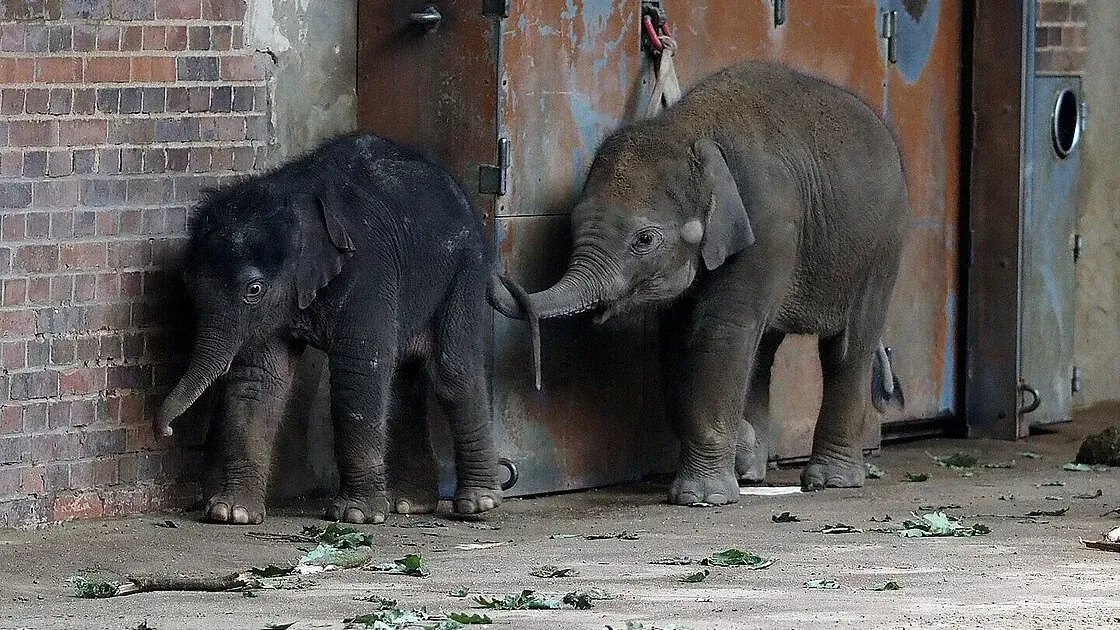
<point x="566" y="73"/>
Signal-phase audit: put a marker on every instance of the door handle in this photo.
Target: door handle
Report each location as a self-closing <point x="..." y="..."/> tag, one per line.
<point x="1036" y="400"/>
<point x="427" y="19"/>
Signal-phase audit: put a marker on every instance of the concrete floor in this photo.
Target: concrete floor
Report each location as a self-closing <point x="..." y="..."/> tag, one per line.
<point x="1025" y="574"/>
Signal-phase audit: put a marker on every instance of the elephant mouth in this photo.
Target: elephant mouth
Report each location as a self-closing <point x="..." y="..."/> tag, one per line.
<point x="623" y="303"/>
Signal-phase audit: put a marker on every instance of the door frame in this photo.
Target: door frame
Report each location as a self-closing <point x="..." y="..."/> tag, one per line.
<point x="997" y="93"/>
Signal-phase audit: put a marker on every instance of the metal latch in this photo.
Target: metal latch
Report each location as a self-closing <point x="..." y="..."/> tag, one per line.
<point x="1078" y="246"/>
<point x="495" y="8"/>
<point x="890" y="33"/>
<point x="1075" y="380"/>
<point x="779" y="12"/>
<point x="493" y="180"/>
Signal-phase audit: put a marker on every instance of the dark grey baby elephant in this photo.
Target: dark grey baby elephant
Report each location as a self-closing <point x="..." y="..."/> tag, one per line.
<point x="763" y="203"/>
<point x="369" y="252"/>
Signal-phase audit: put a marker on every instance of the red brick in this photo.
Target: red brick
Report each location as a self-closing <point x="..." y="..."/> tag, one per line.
<point x="107" y="223"/>
<point x="31" y="479"/>
<point x="108" y="38"/>
<point x="17" y="324"/>
<point x="75" y="132"/>
<point x="58" y="70"/>
<point x="15" y="291"/>
<point x="105" y="472"/>
<point x="13" y="227"/>
<point x="36" y="258"/>
<point x="240" y="69"/>
<point x="15" y="70"/>
<point x="62" y="289"/>
<point x="28" y="133"/>
<point x="13" y="356"/>
<point x="81" y="381"/>
<point x="107" y="69"/>
<point x="155" y="38"/>
<point x="108" y="286"/>
<point x="83" y="506"/>
<point x="83" y="255"/>
<point x="39" y="290"/>
<point x="1053" y="11"/>
<point x="132" y="38"/>
<point x="223" y="10"/>
<point x="153" y="69"/>
<point x="176" y="38"/>
<point x="11" y="419"/>
<point x="85" y="288"/>
<point x="178" y="9"/>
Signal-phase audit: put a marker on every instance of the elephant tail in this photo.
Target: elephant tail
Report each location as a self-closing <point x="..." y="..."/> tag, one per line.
<point x="886" y="389"/>
<point x="499" y="293"/>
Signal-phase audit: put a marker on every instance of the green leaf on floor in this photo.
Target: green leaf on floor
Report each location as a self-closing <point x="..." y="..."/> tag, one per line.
<point x="563" y="536"/>
<point x="634" y="625"/>
<point x="785" y="517"/>
<point x="623" y="535"/>
<point x="937" y="524"/>
<point x="886" y="519"/>
<point x="675" y="560"/>
<point x="1095" y="495"/>
<point x="169" y="524"/>
<point x="826" y="584"/>
<point x="462" y="591"/>
<point x="280" y="626"/>
<point x="339" y="536"/>
<point x="531" y="600"/>
<point x="1060" y="512"/>
<point x="1030" y="455"/>
<point x="956" y="460"/>
<point x="839" y="528"/>
<point x="1010" y="464"/>
<point x="382" y="602"/>
<point x="917" y="477"/>
<point x="469" y="618"/>
<point x="551" y="571"/>
<point x="886" y="586"/>
<point x="736" y="558"/>
<point x="271" y="571"/>
<point x="873" y="471"/>
<point x="1085" y="468"/>
<point x="328" y="555"/>
<point x="92" y="588"/>
<point x="698" y="576"/>
<point x="413" y="564"/>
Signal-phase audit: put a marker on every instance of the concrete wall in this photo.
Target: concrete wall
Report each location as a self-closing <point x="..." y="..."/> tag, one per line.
<point x="312" y="85"/>
<point x="1097" y="347"/>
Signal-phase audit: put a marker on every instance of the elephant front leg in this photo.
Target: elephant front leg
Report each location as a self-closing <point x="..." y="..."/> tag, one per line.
<point x="413" y="484"/>
<point x="753" y="452"/>
<point x="837" y="458"/>
<point x="713" y="398"/>
<point x="360" y="381"/>
<point x="249" y="412"/>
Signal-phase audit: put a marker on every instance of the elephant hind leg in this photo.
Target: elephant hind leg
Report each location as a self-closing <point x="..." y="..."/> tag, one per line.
<point x="458" y="376"/>
<point x="413" y="475"/>
<point x="753" y="451"/>
<point x="837" y="457"/>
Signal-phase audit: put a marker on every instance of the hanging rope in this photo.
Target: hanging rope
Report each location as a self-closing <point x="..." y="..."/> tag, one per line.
<point x="666" y="87"/>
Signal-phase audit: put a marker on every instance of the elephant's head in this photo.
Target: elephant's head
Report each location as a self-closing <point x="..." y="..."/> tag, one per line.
<point x="255" y="257"/>
<point x="652" y="211"/>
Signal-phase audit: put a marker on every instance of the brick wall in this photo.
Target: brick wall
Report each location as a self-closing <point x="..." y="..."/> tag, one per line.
<point x="113" y="115"/>
<point x="1060" y="36"/>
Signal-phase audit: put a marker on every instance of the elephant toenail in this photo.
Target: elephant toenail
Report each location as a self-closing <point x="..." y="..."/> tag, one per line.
<point x="354" y="515"/>
<point x="404" y="507"/>
<point x="485" y="503"/>
<point x="219" y="512"/>
<point x="240" y="516"/>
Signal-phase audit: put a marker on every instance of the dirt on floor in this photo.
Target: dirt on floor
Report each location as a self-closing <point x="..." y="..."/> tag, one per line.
<point x="1027" y="573"/>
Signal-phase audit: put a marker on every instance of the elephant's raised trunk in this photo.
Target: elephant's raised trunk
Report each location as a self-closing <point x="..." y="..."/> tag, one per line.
<point x="211" y="359"/>
<point x="574" y="293"/>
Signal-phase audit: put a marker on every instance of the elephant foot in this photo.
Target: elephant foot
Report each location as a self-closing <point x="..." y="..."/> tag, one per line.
<point x="752" y="455"/>
<point x="715" y="489"/>
<point x="235" y="509"/>
<point x="475" y="500"/>
<point x="831" y="473"/>
<point x="358" y="511"/>
<point x="414" y="500"/>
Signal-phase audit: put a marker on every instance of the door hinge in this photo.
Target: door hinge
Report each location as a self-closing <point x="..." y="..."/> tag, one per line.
<point x="493" y="180"/>
<point x="1075" y="380"/>
<point x="495" y="8"/>
<point x="890" y="33"/>
<point x="779" y="12"/>
<point x="1078" y="246"/>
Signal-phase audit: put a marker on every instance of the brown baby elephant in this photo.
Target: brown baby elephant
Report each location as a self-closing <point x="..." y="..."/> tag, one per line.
<point x="764" y="203"/>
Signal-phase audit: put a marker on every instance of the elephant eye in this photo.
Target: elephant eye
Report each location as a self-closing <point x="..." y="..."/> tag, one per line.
<point x="254" y="292"/>
<point x="646" y="240"/>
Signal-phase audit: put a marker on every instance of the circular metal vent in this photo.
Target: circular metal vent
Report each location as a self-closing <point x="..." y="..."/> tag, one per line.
<point x="1066" y="123"/>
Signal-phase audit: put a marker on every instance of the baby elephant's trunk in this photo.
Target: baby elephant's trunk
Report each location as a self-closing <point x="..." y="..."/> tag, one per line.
<point x="509" y="299"/>
<point x="210" y="360"/>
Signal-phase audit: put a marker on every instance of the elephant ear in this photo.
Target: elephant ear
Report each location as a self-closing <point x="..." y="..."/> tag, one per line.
<point x="727" y="229"/>
<point x="324" y="246"/>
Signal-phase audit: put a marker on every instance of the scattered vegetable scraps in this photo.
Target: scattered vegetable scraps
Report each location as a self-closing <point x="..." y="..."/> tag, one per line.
<point x="699" y="576"/>
<point x="736" y="558"/>
<point x="412" y="564"/>
<point x="785" y="517"/>
<point x="917" y="477"/>
<point x="550" y="571"/>
<point x="826" y="584"/>
<point x="935" y="524"/>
